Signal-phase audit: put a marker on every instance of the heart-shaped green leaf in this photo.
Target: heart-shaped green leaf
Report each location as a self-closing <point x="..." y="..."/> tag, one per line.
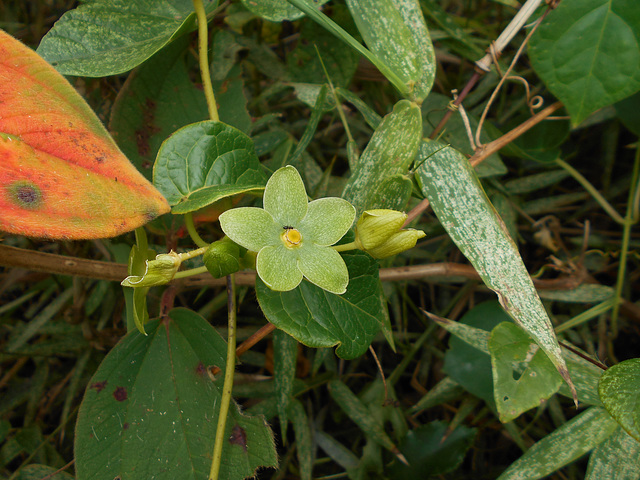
<point x="205" y="162"/>
<point x="151" y="409"/>
<point x="588" y="53"/>
<point x="61" y="174"/>
<point x="318" y="318"/>
<point x="107" y="37"/>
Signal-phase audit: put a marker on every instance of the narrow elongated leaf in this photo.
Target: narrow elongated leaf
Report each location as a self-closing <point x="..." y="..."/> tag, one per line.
<point x="523" y="376"/>
<point x="304" y="441"/>
<point x="360" y="415"/>
<point x="205" y="162"/>
<point x="278" y="10"/>
<point x="318" y="318"/>
<point x="285" y="352"/>
<point x="588" y="53"/>
<point x="617" y="458"/>
<point x="395" y="31"/>
<point x="61" y="175"/>
<point x="151" y="409"/>
<point x="107" y="37"/>
<point x="563" y="446"/>
<point x="619" y="388"/>
<point x="457" y="198"/>
<point x="379" y="179"/>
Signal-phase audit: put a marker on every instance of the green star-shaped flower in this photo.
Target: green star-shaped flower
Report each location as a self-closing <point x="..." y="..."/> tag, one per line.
<point x="293" y="236"/>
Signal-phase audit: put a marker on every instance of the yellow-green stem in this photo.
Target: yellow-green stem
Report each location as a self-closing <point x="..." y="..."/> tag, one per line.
<point x="193" y="233"/>
<point x="203" y="33"/>
<point x="345" y="247"/>
<point x="228" y="381"/>
<point x="191" y="272"/>
<point x="629" y="220"/>
<point x="593" y="191"/>
<point x="193" y="253"/>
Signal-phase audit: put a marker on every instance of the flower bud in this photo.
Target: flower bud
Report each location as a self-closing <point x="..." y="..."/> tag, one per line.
<point x="222" y="258"/>
<point x="158" y="271"/>
<point x="375" y="227"/>
<point x="397" y="243"/>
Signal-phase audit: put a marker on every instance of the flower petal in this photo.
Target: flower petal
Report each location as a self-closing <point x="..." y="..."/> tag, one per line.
<point x="327" y="220"/>
<point x="285" y="197"/>
<point x="277" y="267"/>
<point x="253" y="228"/>
<point x="324" y="267"/>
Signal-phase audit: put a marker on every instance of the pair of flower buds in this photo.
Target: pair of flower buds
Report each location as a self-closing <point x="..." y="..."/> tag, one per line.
<point x="291" y="238"/>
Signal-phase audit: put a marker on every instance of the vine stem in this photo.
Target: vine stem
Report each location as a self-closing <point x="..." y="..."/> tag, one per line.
<point x="228" y="382"/>
<point x="630" y="219"/>
<point x="193" y="233"/>
<point x="203" y="33"/>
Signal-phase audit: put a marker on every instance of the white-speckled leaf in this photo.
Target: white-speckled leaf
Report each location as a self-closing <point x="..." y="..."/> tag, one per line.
<point x="395" y="31"/>
<point x="619" y="388"/>
<point x="463" y="208"/>
<point x="379" y="180"/>
<point x="277" y="10"/>
<point x="617" y="458"/>
<point x="563" y="446"/>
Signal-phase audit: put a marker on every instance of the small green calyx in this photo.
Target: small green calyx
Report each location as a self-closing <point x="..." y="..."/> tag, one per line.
<point x="158" y="272"/>
<point x="222" y="258"/>
<point x="379" y="233"/>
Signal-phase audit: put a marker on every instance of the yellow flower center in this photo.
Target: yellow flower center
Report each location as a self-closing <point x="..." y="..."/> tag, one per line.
<point x="291" y="237"/>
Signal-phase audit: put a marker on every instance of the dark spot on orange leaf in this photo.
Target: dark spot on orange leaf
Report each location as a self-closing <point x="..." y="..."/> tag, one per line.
<point x="99" y="386"/>
<point x="120" y="394"/>
<point x="26" y="195"/>
<point x="238" y="437"/>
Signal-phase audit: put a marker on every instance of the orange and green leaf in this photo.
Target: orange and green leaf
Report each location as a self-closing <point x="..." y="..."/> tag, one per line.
<point x="61" y="173"/>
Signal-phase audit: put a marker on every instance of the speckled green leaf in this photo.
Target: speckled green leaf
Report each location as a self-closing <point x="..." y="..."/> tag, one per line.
<point x="204" y="162"/>
<point x="617" y="458"/>
<point x="107" y="37"/>
<point x="461" y="205"/>
<point x="285" y="352"/>
<point x="588" y="53"/>
<point x="277" y="10"/>
<point x="395" y="31"/>
<point x="523" y="376"/>
<point x="379" y="180"/>
<point x="563" y="446"/>
<point x="150" y="411"/>
<point x="620" y="392"/>
<point x="318" y="318"/>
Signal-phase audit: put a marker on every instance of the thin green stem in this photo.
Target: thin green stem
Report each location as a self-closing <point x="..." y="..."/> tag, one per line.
<point x="345" y="247"/>
<point x="193" y="233"/>
<point x="629" y="220"/>
<point x="203" y="34"/>
<point x="191" y="272"/>
<point x="228" y="381"/>
<point x="193" y="253"/>
<point x="593" y="191"/>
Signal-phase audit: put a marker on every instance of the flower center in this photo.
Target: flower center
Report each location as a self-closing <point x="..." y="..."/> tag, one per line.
<point x="291" y="237"/>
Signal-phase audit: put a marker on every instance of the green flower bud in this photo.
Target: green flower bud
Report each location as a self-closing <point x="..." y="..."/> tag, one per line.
<point x="397" y="243"/>
<point x="375" y="227"/>
<point x="222" y="258"/>
<point x="158" y="271"/>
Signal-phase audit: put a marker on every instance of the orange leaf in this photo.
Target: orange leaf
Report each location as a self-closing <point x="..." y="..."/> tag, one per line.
<point x="61" y="173"/>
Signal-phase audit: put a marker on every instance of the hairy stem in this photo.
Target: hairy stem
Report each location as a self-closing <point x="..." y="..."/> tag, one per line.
<point x="228" y="381"/>
<point x="203" y="33"/>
